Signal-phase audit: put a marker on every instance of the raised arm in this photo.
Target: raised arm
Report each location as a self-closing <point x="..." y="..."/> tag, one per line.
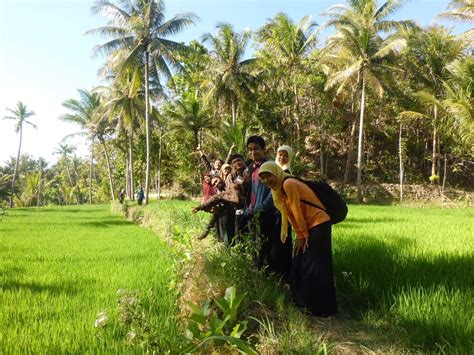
<point x="204" y="159"/>
<point x="229" y="155"/>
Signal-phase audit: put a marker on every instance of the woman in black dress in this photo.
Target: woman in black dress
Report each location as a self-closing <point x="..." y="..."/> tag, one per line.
<point x="311" y="277"/>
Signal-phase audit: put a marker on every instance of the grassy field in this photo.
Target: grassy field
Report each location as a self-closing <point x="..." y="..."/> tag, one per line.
<point x="61" y="267"/>
<point x="412" y="268"/>
<point x="404" y="278"/>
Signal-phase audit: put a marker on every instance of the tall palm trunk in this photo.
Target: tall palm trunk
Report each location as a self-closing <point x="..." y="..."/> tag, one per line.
<point x="296" y="114"/>
<point x="69" y="177"/>
<point x="147" y="127"/>
<point x="158" y="187"/>
<point x="234" y="113"/>
<point x="68" y="172"/>
<point x="350" y="150"/>
<point x="38" y="197"/>
<point x="400" y="158"/>
<point x="445" y="172"/>
<point x="109" y="169"/>
<point x="359" y="147"/>
<point x="130" y="167"/>
<point x="91" y="165"/>
<point x="127" y="177"/>
<point x="433" y="163"/>
<point x="15" y="169"/>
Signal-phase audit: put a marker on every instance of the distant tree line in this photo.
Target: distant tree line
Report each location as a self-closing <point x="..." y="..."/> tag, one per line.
<point x="379" y="101"/>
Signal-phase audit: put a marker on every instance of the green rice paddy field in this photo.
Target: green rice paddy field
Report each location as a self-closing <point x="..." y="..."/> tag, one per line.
<point x="61" y="267"/>
<point x="411" y="268"/>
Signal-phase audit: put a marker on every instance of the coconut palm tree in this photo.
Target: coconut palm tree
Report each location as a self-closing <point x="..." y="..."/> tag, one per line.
<point x="286" y="45"/>
<point x="64" y="151"/>
<point x="20" y="114"/>
<point x="459" y="102"/>
<point x="140" y="28"/>
<point x="228" y="72"/>
<point x="459" y="10"/>
<point x="189" y="114"/>
<point x="358" y="52"/>
<point x="123" y="104"/>
<point x="85" y="113"/>
<point x="429" y="53"/>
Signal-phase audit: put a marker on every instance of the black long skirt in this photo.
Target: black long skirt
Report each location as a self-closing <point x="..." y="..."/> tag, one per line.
<point x="312" y="277"/>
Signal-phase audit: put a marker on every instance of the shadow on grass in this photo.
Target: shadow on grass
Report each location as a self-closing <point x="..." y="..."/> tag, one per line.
<point x="375" y="276"/>
<point x="105" y="223"/>
<point x="95" y="222"/>
<point x="6" y="230"/>
<point x="11" y="271"/>
<point x="68" y="288"/>
<point x="384" y="266"/>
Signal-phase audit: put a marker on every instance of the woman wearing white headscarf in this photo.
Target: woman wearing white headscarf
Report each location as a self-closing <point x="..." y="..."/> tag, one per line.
<point x="284" y="157"/>
<point x="311" y="277"/>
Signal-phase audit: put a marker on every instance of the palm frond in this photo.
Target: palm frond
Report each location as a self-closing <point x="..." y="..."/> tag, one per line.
<point x="411" y="115"/>
<point x="113" y="45"/>
<point x="391" y="47"/>
<point x="343" y="75"/>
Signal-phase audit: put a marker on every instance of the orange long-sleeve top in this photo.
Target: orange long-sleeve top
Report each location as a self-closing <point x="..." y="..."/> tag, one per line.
<point x="302" y="217"/>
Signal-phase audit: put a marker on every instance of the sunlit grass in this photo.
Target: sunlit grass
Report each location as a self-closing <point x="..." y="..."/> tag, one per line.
<point x="408" y="271"/>
<point x="414" y="268"/>
<point x="61" y="267"/>
<point x="404" y="272"/>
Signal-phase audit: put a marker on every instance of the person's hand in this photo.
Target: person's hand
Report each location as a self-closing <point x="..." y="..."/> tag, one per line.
<point x="301" y="245"/>
<point x="232" y="147"/>
<point x="194" y="210"/>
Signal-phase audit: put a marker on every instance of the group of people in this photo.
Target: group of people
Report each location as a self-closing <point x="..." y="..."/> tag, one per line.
<point x="140" y="195"/>
<point x="259" y="198"/>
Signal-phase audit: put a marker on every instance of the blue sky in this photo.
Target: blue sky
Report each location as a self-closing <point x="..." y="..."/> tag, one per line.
<point x="45" y="58"/>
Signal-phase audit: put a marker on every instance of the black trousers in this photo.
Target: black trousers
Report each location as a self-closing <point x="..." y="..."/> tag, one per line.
<point x="281" y="253"/>
<point x="312" y="277"/>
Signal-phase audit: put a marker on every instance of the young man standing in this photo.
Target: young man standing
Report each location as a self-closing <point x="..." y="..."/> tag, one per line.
<point x="261" y="214"/>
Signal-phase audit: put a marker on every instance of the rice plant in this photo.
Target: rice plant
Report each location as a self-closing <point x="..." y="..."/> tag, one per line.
<point x="60" y="271"/>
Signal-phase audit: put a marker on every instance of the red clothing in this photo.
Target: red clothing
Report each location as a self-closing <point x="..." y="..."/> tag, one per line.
<point x="208" y="190"/>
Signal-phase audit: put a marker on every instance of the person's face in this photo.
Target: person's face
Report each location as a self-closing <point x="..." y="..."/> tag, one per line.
<point x="255" y="152"/>
<point x="217" y="165"/>
<point x="269" y="180"/>
<point x="207" y="179"/>
<point x="227" y="170"/>
<point x="237" y="163"/>
<point x="282" y="157"/>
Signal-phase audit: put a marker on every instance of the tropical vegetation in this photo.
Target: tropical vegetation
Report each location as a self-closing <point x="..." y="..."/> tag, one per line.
<point x="393" y="94"/>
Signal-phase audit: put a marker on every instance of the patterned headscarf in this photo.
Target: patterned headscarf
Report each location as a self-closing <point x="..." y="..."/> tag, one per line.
<point x="222" y="172"/>
<point x="278" y="194"/>
<point x="287" y="149"/>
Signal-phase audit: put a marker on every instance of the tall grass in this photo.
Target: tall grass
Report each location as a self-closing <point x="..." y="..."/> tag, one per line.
<point x="405" y="274"/>
<point x="412" y="268"/>
<point x="61" y="267"/>
<point x="401" y="273"/>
